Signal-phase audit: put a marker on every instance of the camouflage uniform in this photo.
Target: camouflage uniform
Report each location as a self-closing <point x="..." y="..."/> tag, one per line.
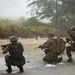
<point x="45" y="47"/>
<point x="72" y="44"/>
<point x="55" y="47"/>
<point x="15" y="56"/>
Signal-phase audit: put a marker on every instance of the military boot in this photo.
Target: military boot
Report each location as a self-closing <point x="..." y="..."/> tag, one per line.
<point x="60" y="59"/>
<point x="21" y="69"/>
<point x="9" y="70"/>
<point x="70" y="60"/>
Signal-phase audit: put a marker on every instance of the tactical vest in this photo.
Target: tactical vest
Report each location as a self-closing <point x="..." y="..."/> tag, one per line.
<point x="60" y="45"/>
<point x="16" y="51"/>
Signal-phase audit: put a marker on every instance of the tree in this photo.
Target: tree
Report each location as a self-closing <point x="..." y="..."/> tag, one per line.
<point x="69" y="11"/>
<point x="34" y="22"/>
<point x="43" y="8"/>
<point x="60" y="11"/>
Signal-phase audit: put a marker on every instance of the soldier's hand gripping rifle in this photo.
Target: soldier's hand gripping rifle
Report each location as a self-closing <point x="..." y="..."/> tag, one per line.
<point x="41" y="46"/>
<point x="68" y="40"/>
<point x="72" y="35"/>
<point x="4" y="46"/>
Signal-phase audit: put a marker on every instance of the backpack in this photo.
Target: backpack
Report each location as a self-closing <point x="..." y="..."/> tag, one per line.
<point x="60" y="44"/>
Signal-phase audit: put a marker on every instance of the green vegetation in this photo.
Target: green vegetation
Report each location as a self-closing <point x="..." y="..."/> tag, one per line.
<point x="61" y="13"/>
<point x="27" y="28"/>
<point x="21" y="28"/>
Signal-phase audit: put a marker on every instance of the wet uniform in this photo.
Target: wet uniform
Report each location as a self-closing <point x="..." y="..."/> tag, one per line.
<point x="54" y="46"/>
<point x="15" y="57"/>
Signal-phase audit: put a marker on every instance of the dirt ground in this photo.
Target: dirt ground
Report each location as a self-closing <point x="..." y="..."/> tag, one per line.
<point x="34" y="64"/>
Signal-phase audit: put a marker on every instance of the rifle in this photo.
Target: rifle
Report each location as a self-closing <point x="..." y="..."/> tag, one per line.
<point x="72" y="34"/>
<point x="4" y="46"/>
<point x="68" y="40"/>
<point x="36" y="48"/>
<point x="41" y="46"/>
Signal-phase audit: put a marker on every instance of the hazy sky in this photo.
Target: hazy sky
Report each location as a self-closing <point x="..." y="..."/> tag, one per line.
<point x="13" y="8"/>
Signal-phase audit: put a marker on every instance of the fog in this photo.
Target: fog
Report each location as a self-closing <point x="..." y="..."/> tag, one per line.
<point x="14" y="9"/>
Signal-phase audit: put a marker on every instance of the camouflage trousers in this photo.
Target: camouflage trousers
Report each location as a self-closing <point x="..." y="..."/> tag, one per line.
<point x="15" y="62"/>
<point x="46" y="51"/>
<point x="69" y="49"/>
<point x="52" y="57"/>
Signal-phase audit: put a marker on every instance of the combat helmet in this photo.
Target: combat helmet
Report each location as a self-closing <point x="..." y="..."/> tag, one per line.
<point x="73" y="28"/>
<point x="51" y="34"/>
<point x="13" y="39"/>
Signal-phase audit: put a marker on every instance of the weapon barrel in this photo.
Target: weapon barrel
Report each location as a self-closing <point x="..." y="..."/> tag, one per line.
<point x="36" y="48"/>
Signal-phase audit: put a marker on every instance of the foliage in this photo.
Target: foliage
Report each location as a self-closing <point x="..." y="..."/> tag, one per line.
<point x="26" y="28"/>
<point x="60" y="12"/>
<point x="34" y="22"/>
<point x="43" y="8"/>
<point x="20" y="28"/>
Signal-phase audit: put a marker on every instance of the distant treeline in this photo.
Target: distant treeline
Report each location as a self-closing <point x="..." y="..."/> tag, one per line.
<point x="27" y="28"/>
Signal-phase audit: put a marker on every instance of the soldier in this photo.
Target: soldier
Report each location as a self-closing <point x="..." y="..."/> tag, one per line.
<point x="71" y="47"/>
<point x="53" y="48"/>
<point x="46" y="45"/>
<point x="15" y="56"/>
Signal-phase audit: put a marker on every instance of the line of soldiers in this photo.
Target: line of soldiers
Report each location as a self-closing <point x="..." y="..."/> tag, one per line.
<point x="53" y="47"/>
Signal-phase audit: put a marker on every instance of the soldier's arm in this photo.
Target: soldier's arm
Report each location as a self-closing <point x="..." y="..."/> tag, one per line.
<point x="41" y="46"/>
<point x="21" y="48"/>
<point x="6" y="49"/>
<point x="3" y="46"/>
<point x="45" y="45"/>
<point x="68" y="40"/>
